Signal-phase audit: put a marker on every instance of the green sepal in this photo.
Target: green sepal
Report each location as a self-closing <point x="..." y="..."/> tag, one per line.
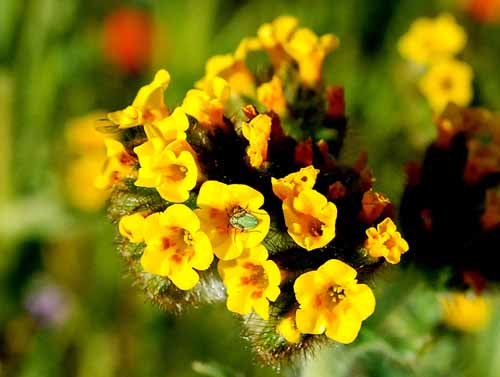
<point x="161" y="291"/>
<point x="268" y="344"/>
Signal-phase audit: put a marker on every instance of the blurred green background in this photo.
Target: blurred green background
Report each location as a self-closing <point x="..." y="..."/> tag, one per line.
<point x="66" y="308"/>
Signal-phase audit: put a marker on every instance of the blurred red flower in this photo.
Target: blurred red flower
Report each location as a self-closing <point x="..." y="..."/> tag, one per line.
<point x="484" y="10"/>
<point x="128" y="37"/>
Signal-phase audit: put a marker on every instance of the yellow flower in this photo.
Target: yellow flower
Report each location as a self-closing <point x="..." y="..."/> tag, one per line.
<point x="372" y="205"/>
<point x="131" y="227"/>
<point x="284" y="42"/>
<point x="175" y="246"/>
<point x="332" y="301"/>
<point x="429" y="40"/>
<point x="82" y="136"/>
<point x="447" y="81"/>
<point x="171" y="168"/>
<point x="294" y="183"/>
<point x="310" y="51"/>
<point x="310" y="219"/>
<point x="170" y="128"/>
<point x="257" y="132"/>
<point x="148" y="105"/>
<point x="274" y="36"/>
<point x="86" y="150"/>
<point x="118" y="165"/>
<point x="288" y="329"/>
<point x="271" y="95"/>
<point x="385" y="241"/>
<point x="233" y="70"/>
<point x="80" y="176"/>
<point x="247" y="45"/>
<point x="251" y="282"/>
<point x="277" y="32"/>
<point x="491" y="216"/>
<point x="207" y="105"/>
<point x="231" y="217"/>
<point x="465" y="312"/>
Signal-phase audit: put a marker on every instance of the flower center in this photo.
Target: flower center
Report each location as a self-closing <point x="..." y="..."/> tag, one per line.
<point x="316" y="228"/>
<point x="148" y="115"/>
<point x="188" y="238"/>
<point x="175" y="172"/>
<point x="256" y="277"/>
<point x="166" y="243"/>
<point x="390" y="243"/>
<point x="178" y="244"/>
<point x="336" y="293"/>
<point x="447" y="84"/>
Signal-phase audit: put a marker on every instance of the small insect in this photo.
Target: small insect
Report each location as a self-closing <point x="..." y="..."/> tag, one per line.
<point x="107" y="127"/>
<point x="242" y="220"/>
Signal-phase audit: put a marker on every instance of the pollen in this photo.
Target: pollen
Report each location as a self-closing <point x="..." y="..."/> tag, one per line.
<point x="336" y="293"/>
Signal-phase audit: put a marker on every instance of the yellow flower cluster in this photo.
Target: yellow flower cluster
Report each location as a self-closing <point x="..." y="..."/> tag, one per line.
<point x="228" y="223"/>
<point x="286" y="44"/>
<point x="202" y="212"/>
<point x="430" y="40"/>
<point x="433" y="43"/>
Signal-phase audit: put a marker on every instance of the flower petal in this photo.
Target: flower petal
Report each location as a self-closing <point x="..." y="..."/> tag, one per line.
<point x="310" y="321"/>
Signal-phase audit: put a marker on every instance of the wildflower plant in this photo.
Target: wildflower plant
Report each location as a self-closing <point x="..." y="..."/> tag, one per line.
<point x="449" y="210"/>
<point x="238" y="195"/>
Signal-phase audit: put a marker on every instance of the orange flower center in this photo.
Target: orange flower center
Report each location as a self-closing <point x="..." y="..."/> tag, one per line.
<point x="390" y="243"/>
<point x="179" y="243"/>
<point x="316" y="228"/>
<point x="336" y="293"/>
<point x="447" y="84"/>
<point x="175" y="172"/>
<point x="331" y="297"/>
<point x="148" y="116"/>
<point x="256" y="278"/>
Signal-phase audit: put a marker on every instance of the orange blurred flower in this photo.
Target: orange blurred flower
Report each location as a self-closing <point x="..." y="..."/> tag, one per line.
<point x="484" y="10"/>
<point x="128" y="38"/>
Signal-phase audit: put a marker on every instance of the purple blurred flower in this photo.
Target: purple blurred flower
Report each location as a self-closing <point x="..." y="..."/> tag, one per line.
<point x="49" y="304"/>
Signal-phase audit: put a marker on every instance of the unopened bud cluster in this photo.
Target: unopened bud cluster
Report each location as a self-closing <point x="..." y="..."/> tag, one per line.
<point x="450" y="210"/>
